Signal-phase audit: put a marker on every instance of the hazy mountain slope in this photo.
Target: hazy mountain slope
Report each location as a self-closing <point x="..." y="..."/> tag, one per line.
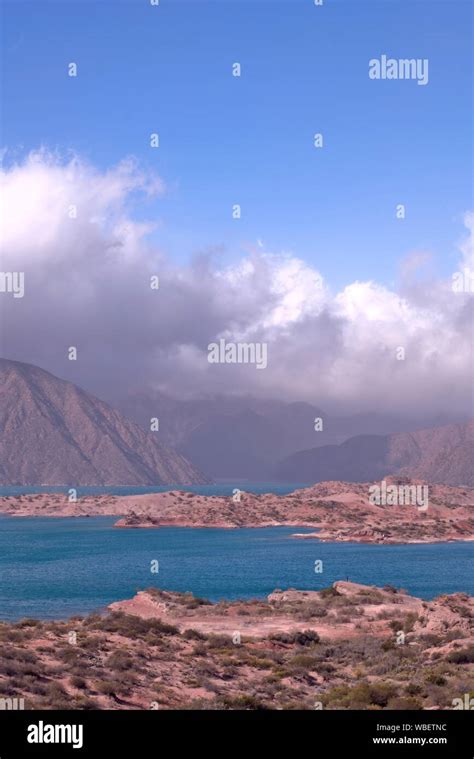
<point x="52" y="432"/>
<point x="237" y="446"/>
<point x="242" y="437"/>
<point x="228" y="437"/>
<point x="443" y="454"/>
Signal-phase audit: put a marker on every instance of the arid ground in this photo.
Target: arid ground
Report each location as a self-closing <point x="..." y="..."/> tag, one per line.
<point x="348" y="646"/>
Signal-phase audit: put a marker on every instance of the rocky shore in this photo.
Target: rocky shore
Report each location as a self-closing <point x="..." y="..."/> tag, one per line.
<point x="339" y="511"/>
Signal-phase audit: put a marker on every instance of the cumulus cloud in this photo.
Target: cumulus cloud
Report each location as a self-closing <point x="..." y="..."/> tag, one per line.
<point x="88" y="262"/>
<point x="467" y="244"/>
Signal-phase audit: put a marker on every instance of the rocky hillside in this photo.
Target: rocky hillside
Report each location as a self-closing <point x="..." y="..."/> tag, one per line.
<point x="54" y="433"/>
<point x="443" y="454"/>
<point x="347" y="646"/>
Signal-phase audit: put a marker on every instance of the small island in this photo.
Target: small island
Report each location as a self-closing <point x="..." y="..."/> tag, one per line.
<point x="337" y="511"/>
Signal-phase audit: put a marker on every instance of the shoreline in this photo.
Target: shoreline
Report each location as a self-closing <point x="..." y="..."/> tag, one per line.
<point x="221" y="526"/>
<point x="335" y="511"/>
<point x="264" y="525"/>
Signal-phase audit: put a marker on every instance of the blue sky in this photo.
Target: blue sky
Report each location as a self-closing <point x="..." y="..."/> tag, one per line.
<point x="248" y="140"/>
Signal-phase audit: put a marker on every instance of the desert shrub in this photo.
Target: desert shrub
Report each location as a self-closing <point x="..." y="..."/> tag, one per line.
<point x="243" y="702"/>
<point x="133" y="627"/>
<point x="86" y="703"/>
<point x="409" y="622"/>
<point x="120" y="661"/>
<point x="336" y="694"/>
<point x="55" y="691"/>
<point x="435" y="678"/>
<point x="358" y="696"/>
<point x="329" y="592"/>
<point x="406" y="624"/>
<point x="111" y="687"/>
<point x="405" y="703"/>
<point x="92" y="619"/>
<point x="14" y="636"/>
<point x="28" y="622"/>
<point x="192" y="634"/>
<point x="301" y="638"/>
<point x="78" y="682"/>
<point x="303" y="661"/>
<point x="371" y="596"/>
<point x="381" y="693"/>
<point x="324" y="667"/>
<point x="311" y="610"/>
<point x="193" y="602"/>
<point x="430" y="640"/>
<point x="107" y="687"/>
<point x="343" y="618"/>
<point x="413" y="689"/>
<point x="361" y="696"/>
<point x="205" y="668"/>
<point x="463" y="656"/>
<point x="12" y="668"/>
<point x="38" y="688"/>
<point x="306" y="638"/>
<point x="68" y="653"/>
<point x="219" y="641"/>
<point x="259" y="663"/>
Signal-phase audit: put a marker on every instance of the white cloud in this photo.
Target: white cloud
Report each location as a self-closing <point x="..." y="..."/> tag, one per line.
<point x="467" y="245"/>
<point x="87" y="284"/>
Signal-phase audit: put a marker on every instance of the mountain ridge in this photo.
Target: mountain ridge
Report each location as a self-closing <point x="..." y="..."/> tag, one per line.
<point x="439" y="455"/>
<point x="55" y="433"/>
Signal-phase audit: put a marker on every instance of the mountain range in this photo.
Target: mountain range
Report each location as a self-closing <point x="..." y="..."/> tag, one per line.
<point x="265" y="440"/>
<point x="54" y="433"/>
<point x="440" y="455"/>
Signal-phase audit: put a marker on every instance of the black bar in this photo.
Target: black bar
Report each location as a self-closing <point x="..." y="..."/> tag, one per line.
<point x="213" y="733"/>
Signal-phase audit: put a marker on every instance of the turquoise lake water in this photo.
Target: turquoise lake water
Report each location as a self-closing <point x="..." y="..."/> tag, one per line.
<point x="53" y="568"/>
<point x="220" y="488"/>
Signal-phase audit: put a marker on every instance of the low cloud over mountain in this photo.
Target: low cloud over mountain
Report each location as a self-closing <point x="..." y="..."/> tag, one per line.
<point x="87" y="258"/>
